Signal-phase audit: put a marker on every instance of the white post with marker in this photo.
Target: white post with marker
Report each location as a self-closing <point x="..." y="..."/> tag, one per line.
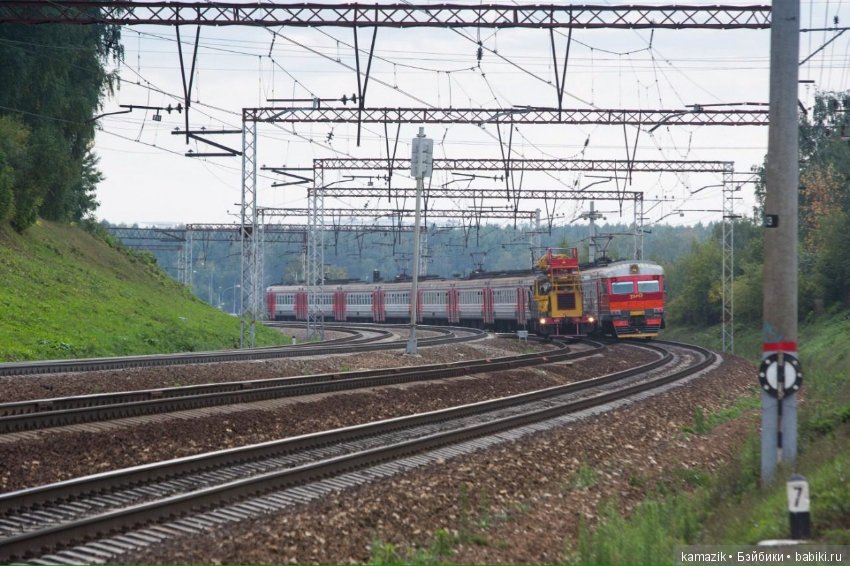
<point x="798" y="507"/>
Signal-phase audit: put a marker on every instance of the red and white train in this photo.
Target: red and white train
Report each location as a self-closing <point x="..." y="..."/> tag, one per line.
<point x="624" y="299"/>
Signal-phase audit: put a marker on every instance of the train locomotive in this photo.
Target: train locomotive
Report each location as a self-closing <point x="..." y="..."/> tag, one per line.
<point x="624" y="299"/>
<point x="557" y="305"/>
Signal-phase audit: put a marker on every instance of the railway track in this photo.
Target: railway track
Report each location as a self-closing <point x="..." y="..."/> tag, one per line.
<point x="230" y="485"/>
<point x="361" y="338"/>
<point x="44" y="413"/>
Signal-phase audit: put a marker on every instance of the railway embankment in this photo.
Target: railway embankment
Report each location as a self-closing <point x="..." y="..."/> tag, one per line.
<point x="728" y="506"/>
<point x="67" y="293"/>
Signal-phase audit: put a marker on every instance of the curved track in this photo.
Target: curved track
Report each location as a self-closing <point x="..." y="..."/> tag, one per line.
<point x="361" y="338"/>
<point x="39" y="519"/>
<point x="44" y="413"/>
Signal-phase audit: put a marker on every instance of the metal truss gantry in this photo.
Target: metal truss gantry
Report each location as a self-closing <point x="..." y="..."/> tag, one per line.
<point x="472" y="215"/>
<point x="725" y="168"/>
<point x="495" y="164"/>
<point x="156" y="239"/>
<point x="696" y="116"/>
<point x="495" y="194"/>
<point x="523" y="194"/>
<point x="374" y="213"/>
<point x="396" y="15"/>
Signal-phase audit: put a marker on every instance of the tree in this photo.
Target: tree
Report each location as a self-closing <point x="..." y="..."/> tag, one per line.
<point x="82" y="197"/>
<point x="14" y="138"/>
<point x="694" y="285"/>
<point x="60" y="81"/>
<point x="832" y="266"/>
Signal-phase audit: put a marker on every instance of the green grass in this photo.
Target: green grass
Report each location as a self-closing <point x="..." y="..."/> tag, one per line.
<point x="730" y="507"/>
<point x="475" y="517"/>
<point x="704" y="424"/>
<point x="585" y="477"/>
<point x="439" y="549"/>
<point x="649" y="536"/>
<point x="68" y="294"/>
<point x="764" y="515"/>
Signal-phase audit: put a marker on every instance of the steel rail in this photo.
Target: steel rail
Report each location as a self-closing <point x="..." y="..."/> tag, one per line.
<point x="157" y="360"/>
<point x="62" y="411"/>
<point x="203" y="462"/>
<point x="35" y="541"/>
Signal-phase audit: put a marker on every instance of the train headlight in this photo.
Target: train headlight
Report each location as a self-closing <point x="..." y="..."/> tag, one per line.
<point x="542" y="321"/>
<point x="591" y="319"/>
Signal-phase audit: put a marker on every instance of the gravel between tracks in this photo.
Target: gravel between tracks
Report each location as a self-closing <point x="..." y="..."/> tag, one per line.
<point x="23" y="387"/>
<point x="56" y="454"/>
<point x="519" y="502"/>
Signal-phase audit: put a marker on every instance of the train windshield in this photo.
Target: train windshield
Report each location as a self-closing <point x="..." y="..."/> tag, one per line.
<point x="623" y="287"/>
<point x="648" y="286"/>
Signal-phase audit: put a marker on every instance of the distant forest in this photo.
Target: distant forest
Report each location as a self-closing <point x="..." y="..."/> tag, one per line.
<point x="452" y="252"/>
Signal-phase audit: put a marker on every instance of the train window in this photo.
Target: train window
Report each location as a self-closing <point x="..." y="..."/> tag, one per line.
<point x="623" y="287"/>
<point x="648" y="286"/>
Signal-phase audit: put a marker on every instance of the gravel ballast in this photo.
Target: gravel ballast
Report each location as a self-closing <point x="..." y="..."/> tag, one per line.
<point x="518" y="502"/>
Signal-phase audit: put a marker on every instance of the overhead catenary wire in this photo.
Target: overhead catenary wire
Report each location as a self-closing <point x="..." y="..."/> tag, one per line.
<point x="630" y="59"/>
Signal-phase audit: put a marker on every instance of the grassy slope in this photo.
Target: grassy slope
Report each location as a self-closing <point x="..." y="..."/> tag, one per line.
<point x="730" y="508"/>
<point x="67" y="294"/>
<point x="824" y="439"/>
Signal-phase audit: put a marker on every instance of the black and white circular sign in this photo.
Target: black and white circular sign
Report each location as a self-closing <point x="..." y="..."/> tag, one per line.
<point x="770" y="371"/>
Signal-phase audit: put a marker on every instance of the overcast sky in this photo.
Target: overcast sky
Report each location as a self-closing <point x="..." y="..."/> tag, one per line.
<point x="149" y="181"/>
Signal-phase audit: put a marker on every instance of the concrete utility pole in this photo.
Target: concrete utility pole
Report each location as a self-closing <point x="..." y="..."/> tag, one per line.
<point x="421" y="165"/>
<point x="779" y="375"/>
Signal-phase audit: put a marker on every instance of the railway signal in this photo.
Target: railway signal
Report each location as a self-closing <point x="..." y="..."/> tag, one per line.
<point x="421" y="166"/>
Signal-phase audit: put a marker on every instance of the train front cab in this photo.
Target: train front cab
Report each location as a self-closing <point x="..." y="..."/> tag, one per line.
<point x="635" y="306"/>
<point x="557" y="297"/>
<point x="557" y="309"/>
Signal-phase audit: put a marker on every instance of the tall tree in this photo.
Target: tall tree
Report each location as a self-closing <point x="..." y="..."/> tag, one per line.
<point x="55" y="80"/>
<point x="14" y="138"/>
